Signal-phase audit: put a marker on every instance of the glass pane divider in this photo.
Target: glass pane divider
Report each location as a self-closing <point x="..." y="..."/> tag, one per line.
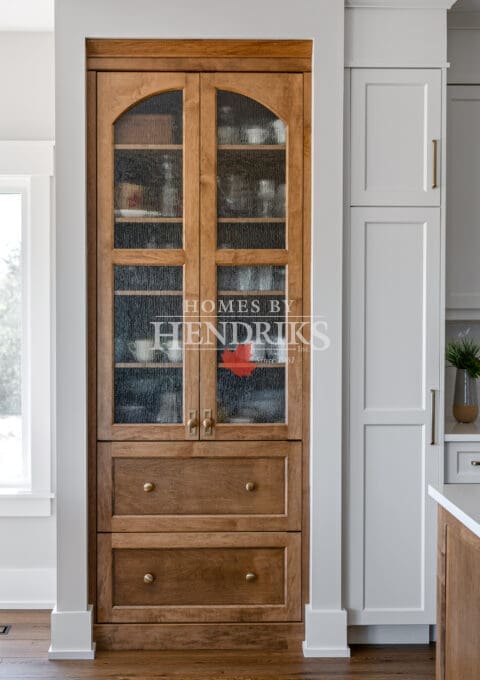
<point x="251" y="220"/>
<point x="149" y="220"/>
<point x="251" y="147"/>
<point x="148" y="147"/>
<point x="148" y="364"/>
<point x="165" y="293"/>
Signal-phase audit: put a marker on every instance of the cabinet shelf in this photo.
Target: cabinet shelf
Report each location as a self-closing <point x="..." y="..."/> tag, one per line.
<point x="258" y="293"/>
<point x="259" y="364"/>
<point x="148" y="364"/>
<point x="251" y="220"/>
<point x="149" y="220"/>
<point x="251" y="147"/>
<point x="148" y="147"/>
<point x="172" y="293"/>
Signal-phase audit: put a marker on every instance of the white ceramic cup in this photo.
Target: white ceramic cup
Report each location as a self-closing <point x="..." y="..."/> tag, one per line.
<point x="141" y="349"/>
<point x="256" y="135"/>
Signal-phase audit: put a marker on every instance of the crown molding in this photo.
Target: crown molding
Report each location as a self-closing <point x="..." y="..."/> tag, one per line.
<point x="399" y="4"/>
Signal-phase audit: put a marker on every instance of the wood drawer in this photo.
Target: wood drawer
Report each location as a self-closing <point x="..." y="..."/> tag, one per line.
<point x="199" y="577"/>
<point x="460" y="467"/>
<point x="199" y="486"/>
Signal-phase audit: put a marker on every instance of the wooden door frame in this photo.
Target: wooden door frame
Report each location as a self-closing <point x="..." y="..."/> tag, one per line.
<point x="198" y="55"/>
<point x="283" y="95"/>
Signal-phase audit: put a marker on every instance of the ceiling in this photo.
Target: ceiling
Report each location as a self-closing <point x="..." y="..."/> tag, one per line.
<point x="26" y="15"/>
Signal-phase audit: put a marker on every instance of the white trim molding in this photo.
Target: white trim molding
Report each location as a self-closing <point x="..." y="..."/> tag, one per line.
<point x="416" y="634"/>
<point x="28" y="167"/>
<point x="400" y="4"/>
<point x="326" y="633"/>
<point x="25" y="504"/>
<point x="71" y="635"/>
<point x="26" y="157"/>
<point x="37" y="588"/>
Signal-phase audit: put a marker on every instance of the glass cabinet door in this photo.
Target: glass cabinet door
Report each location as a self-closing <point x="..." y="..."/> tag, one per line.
<point x="147" y="254"/>
<point x="251" y="226"/>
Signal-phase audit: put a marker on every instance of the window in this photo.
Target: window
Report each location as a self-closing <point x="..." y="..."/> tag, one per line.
<point x="26" y="170"/>
<point x="14" y="434"/>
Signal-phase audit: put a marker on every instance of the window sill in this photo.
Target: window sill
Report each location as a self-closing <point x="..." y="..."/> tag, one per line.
<point x="25" y="504"/>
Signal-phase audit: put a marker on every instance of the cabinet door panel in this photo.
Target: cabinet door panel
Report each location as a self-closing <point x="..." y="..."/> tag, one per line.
<point x="251" y="270"/>
<point x="463" y="197"/>
<point x="395" y="118"/>
<point x="394" y="365"/>
<point x="147" y="225"/>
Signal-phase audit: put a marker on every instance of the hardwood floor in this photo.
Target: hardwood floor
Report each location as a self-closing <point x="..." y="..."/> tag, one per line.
<point x="23" y="654"/>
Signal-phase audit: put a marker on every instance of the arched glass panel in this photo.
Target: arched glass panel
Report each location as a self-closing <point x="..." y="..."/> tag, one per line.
<point x="148" y="384"/>
<point x="251" y="161"/>
<point x="149" y="174"/>
<point x="251" y="214"/>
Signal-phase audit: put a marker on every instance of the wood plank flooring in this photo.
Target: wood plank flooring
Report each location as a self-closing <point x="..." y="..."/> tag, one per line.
<point x="23" y="654"/>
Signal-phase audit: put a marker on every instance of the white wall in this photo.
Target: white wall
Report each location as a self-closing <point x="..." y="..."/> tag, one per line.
<point x="27" y="553"/>
<point x="27" y="85"/>
<point x="322" y="21"/>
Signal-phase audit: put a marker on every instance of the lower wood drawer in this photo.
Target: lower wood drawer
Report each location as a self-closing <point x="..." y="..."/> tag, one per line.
<point x="202" y="577"/>
<point x="199" y="486"/>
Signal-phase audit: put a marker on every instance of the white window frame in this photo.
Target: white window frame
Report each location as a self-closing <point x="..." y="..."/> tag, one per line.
<point x="27" y="168"/>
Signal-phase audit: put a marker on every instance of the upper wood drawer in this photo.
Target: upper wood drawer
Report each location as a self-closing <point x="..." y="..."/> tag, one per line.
<point x="199" y="486"/>
<point x="200" y="577"/>
<point x="395" y="137"/>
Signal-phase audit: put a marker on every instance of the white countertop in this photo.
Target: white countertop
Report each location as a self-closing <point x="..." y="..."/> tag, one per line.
<point x="462" y="432"/>
<point x="462" y="501"/>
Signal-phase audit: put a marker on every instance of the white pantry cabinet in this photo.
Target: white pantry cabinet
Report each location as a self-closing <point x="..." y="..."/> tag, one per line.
<point x="395" y="137"/>
<point x="463" y="198"/>
<point x="394" y="360"/>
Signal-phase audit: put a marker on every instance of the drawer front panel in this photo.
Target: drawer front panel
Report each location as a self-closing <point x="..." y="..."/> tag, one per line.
<point x="463" y="463"/>
<point x="199" y="486"/>
<point x="199" y="576"/>
<point x="147" y="578"/>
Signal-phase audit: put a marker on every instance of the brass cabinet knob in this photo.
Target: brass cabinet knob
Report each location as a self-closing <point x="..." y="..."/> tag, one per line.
<point x="148" y="579"/>
<point x="192" y="424"/>
<point x="148" y="486"/>
<point x="250" y="486"/>
<point x="250" y="577"/>
<point x="207" y="424"/>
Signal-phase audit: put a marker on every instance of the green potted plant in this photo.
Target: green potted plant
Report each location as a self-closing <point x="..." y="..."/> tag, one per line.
<point x="464" y="355"/>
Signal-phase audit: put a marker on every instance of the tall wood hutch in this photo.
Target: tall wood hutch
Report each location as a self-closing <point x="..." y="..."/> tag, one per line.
<point x="198" y="202"/>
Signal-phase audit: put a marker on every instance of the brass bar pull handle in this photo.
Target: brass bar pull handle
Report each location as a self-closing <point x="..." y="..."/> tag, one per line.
<point x="192" y="422"/>
<point x="434" y="424"/>
<point x="435" y="164"/>
<point x="207" y="421"/>
<point x="475" y="463"/>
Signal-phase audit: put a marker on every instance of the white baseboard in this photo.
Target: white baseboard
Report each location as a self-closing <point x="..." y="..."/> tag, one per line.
<point x="27" y="588"/>
<point x="325" y="633"/>
<point x="71" y="635"/>
<point x="416" y="634"/>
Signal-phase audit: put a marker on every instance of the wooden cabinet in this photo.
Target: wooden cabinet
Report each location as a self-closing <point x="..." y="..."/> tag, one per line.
<point x="395" y="137"/>
<point x="198" y="358"/>
<point x="463" y="200"/>
<point x="394" y="366"/>
<point x="458" y="604"/>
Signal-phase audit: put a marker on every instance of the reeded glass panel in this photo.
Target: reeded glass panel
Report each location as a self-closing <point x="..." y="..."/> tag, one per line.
<point x="252" y="345"/>
<point x="251" y="174"/>
<point x="148" y="344"/>
<point x="149" y="174"/>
